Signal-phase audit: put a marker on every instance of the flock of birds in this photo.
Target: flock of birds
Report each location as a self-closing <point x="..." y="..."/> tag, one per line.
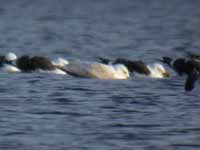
<point x="105" y="68"/>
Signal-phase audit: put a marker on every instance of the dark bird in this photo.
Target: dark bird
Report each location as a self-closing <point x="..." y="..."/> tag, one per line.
<point x="183" y="66"/>
<point x="179" y="65"/>
<point x="38" y="63"/>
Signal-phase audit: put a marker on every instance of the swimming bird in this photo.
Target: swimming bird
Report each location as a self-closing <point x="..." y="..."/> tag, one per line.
<point x="11" y="63"/>
<point x="96" y="70"/>
<point x="155" y="70"/>
<point x="179" y="65"/>
<point x="189" y="67"/>
<point x="182" y="66"/>
<point x="37" y="63"/>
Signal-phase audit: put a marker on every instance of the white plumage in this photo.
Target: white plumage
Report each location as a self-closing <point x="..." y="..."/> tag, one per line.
<point x="97" y="70"/>
<point x="11" y="56"/>
<point x="55" y="71"/>
<point x="10" y="68"/>
<point x="157" y="71"/>
<point x="60" y="62"/>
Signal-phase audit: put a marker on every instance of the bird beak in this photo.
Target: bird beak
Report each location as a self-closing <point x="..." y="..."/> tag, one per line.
<point x="166" y="74"/>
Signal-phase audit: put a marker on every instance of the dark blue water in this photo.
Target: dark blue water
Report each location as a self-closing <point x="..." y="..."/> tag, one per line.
<point x="54" y="112"/>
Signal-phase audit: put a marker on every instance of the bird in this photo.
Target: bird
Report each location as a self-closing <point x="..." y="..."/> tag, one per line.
<point x="37" y="63"/>
<point x="96" y="70"/>
<point x="11" y="63"/>
<point x="180" y="65"/>
<point x="185" y="66"/>
<point x="154" y="70"/>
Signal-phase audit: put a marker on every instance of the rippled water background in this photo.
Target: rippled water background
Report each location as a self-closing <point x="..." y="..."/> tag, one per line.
<point x="52" y="112"/>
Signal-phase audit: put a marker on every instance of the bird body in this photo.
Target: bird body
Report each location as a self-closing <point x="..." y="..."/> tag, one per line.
<point x="96" y="70"/>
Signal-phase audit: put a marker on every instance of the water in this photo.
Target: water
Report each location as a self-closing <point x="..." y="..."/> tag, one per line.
<point x="55" y="112"/>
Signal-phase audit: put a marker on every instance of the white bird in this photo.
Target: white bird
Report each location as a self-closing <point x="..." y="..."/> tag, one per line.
<point x="97" y="70"/>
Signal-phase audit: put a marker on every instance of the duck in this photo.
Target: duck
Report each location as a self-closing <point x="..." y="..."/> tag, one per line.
<point x="11" y="63"/>
<point x="190" y="67"/>
<point x="180" y="65"/>
<point x="154" y="70"/>
<point x="96" y="70"/>
<point x="37" y="63"/>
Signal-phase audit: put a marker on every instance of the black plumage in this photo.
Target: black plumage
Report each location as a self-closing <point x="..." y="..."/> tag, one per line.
<point x="132" y="66"/>
<point x="3" y="61"/>
<point x="183" y="66"/>
<point x="28" y="64"/>
<point x="191" y="80"/>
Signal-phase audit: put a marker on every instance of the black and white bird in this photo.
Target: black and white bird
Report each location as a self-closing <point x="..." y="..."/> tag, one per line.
<point x="37" y="63"/>
<point x="180" y="65"/>
<point x="185" y="66"/>
<point x="11" y="63"/>
<point x="155" y="70"/>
